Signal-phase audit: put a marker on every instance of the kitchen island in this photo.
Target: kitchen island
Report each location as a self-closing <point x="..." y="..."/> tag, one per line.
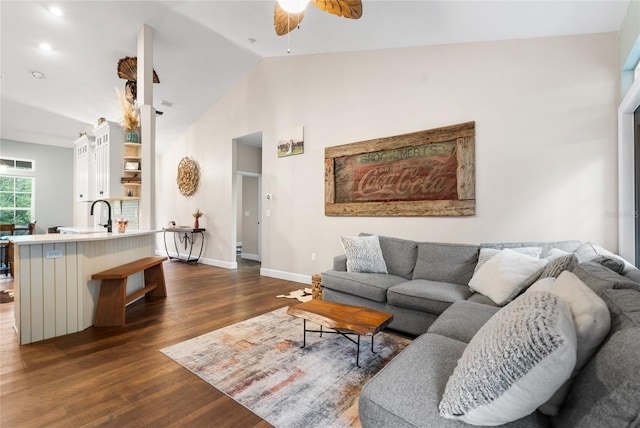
<point x="54" y="292"/>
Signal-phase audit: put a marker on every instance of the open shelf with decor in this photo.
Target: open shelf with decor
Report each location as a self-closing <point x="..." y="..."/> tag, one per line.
<point x="132" y="170"/>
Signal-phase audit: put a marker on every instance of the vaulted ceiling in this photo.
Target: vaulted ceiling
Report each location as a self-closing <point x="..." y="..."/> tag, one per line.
<point x="202" y="47"/>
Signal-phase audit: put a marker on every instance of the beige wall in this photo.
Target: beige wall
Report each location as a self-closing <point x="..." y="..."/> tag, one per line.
<point x="545" y="113"/>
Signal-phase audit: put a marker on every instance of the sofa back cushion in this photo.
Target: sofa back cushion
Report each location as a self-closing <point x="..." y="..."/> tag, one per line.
<point x="399" y="255"/>
<point x="589" y="251"/>
<point x="606" y="391"/>
<point x="569" y="246"/>
<point x="624" y="307"/>
<point x="600" y="278"/>
<point x="452" y="263"/>
<point x="633" y="275"/>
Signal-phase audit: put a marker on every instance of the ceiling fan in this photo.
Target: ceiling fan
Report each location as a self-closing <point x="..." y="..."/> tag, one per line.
<point x="289" y="13"/>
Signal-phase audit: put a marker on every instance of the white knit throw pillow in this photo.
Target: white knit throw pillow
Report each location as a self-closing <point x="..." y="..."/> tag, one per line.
<point x="515" y="362"/>
<point x="363" y="254"/>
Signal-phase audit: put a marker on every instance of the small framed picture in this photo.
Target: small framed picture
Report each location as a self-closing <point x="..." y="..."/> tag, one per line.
<point x="291" y="142"/>
<point x="132" y="166"/>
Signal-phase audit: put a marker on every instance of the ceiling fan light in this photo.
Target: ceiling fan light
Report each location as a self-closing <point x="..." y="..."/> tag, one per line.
<point x="293" y="6"/>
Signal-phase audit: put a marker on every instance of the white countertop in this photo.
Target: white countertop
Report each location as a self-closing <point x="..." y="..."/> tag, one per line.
<point x="84" y="235"/>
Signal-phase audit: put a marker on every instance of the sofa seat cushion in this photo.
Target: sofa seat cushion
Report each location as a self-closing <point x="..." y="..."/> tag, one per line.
<point x="453" y="263"/>
<point x="462" y="320"/>
<point x="406" y="392"/>
<point x="372" y="286"/>
<point x="481" y="298"/>
<point x="425" y="295"/>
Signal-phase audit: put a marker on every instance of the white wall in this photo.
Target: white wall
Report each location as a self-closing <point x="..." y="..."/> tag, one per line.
<point x="545" y="113"/>
<point x="53" y="180"/>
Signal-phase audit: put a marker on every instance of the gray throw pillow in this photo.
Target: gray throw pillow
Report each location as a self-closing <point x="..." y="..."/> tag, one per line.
<point x="363" y="254"/>
<point x="612" y="263"/>
<point x="558" y="265"/>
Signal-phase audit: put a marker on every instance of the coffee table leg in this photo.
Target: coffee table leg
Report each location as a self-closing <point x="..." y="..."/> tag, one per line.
<point x="372" y="344"/>
<point x="358" y="353"/>
<point x="304" y="334"/>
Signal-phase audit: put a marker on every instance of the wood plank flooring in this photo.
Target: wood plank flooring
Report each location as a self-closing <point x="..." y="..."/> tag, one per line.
<point x="116" y="376"/>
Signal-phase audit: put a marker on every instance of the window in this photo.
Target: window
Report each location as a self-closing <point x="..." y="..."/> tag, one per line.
<point x="637" y="181"/>
<point x="16" y="164"/>
<point x="16" y="199"/>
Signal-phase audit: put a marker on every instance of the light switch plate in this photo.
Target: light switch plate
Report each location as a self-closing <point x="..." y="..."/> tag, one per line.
<point x="53" y="254"/>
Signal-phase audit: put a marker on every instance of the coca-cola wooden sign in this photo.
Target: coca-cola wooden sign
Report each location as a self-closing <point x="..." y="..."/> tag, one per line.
<point x="425" y="173"/>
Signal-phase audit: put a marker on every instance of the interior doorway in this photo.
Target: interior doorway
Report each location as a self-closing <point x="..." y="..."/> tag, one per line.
<point x="247" y="152"/>
<point x="249" y="223"/>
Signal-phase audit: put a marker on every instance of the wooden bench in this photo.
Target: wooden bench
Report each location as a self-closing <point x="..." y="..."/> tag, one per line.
<point x="113" y="297"/>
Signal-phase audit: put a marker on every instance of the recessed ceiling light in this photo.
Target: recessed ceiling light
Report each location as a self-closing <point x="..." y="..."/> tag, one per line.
<point x="37" y="74"/>
<point x="45" y="46"/>
<point x="55" y="11"/>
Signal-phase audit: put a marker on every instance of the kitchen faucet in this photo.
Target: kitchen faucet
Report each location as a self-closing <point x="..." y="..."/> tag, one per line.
<point x="108" y="225"/>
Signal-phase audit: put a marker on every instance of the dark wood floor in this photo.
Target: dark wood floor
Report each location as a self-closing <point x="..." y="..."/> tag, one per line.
<point x="116" y="376"/>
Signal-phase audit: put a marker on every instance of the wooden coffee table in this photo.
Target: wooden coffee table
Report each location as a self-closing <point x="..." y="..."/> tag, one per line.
<point x="342" y="319"/>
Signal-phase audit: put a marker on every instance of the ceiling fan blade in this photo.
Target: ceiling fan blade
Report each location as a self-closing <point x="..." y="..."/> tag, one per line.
<point x="347" y="8"/>
<point x="285" y="21"/>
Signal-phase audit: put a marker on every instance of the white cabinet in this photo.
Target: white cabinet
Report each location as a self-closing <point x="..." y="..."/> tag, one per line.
<point x="108" y="160"/>
<point x="84" y="168"/>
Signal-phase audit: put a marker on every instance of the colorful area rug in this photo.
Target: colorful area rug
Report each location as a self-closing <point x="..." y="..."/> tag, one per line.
<point x="259" y="363"/>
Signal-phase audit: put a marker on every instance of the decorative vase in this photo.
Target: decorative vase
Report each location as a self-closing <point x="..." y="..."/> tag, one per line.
<point x="131" y="137"/>
<point x="196" y="224"/>
<point x="122" y="227"/>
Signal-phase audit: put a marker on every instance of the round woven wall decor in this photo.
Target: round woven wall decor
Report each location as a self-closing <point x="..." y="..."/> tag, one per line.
<point x="188" y="176"/>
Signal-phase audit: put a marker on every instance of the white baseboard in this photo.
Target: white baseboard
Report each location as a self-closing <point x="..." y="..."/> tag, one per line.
<point x="288" y="276"/>
<point x="248" y="256"/>
<point x="218" y="263"/>
<point x="272" y="273"/>
<point x="205" y="261"/>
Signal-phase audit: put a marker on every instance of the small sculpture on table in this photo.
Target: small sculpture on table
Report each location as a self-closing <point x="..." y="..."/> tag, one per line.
<point x="197" y="215"/>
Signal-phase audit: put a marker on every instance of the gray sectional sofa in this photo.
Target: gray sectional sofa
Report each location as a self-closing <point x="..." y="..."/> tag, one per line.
<point x="430" y="298"/>
<point x="423" y="279"/>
